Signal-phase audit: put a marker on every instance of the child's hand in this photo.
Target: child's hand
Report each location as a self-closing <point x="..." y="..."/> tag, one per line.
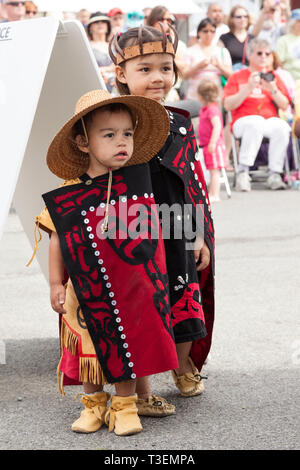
<point x="58" y="297"/>
<point x="204" y="63"/>
<point x="215" y="61"/>
<point x="202" y="255"/>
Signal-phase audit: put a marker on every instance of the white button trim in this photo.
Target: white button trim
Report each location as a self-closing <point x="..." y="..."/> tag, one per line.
<point x="106" y="277"/>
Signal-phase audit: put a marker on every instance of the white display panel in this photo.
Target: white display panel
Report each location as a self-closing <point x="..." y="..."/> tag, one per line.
<point x="45" y="67"/>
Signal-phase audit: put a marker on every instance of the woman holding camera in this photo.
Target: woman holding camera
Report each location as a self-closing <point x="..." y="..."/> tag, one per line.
<point x="254" y="96"/>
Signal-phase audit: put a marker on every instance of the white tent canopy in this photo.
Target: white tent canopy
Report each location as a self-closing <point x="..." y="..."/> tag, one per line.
<point x="174" y="6"/>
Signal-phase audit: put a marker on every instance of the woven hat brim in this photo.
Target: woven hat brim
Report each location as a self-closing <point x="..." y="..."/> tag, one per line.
<point x="66" y="161"/>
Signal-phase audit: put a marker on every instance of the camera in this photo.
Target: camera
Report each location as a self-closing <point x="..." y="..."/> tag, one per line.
<point x="269" y="76"/>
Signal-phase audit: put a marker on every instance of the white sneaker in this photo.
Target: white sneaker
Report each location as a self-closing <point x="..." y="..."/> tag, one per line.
<point x="243" y="182"/>
<point x="274" y="182"/>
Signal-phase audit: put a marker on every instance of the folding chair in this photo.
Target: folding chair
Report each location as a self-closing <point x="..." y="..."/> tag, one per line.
<point x="258" y="172"/>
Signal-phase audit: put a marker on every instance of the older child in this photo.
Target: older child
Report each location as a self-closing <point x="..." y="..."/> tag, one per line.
<point x="144" y="59"/>
<point x="116" y="323"/>
<point x="211" y="136"/>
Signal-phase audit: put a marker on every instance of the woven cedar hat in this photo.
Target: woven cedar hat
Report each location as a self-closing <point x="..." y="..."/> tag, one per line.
<point x="152" y="126"/>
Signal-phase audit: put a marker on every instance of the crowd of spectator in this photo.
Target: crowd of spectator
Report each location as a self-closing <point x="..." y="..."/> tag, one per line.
<point x="254" y="61"/>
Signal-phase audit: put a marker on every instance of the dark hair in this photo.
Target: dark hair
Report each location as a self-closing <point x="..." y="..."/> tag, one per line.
<point x="131" y="38"/>
<point x="204" y="23"/>
<point x="77" y="129"/>
<point x="93" y="15"/>
<point x="156" y="14"/>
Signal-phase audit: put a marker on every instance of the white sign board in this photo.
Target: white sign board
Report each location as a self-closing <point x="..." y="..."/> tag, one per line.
<point x="45" y="67"/>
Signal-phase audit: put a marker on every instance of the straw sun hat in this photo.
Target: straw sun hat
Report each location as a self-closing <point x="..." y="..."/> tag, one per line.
<point x="152" y="126"/>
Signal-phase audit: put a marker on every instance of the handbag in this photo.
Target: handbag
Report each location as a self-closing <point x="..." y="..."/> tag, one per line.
<point x="242" y="65"/>
<point x="223" y="79"/>
<point x="237" y="66"/>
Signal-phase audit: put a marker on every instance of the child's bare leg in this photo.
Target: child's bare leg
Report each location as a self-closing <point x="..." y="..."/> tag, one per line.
<point x="214" y="184"/>
<point x="187" y="378"/>
<point x="92" y="388"/>
<point x="183" y="352"/>
<point x="125" y="389"/>
<point x="143" y="389"/>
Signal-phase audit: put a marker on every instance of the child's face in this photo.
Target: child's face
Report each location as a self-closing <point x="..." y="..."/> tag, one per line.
<point x="110" y="141"/>
<point x="150" y="75"/>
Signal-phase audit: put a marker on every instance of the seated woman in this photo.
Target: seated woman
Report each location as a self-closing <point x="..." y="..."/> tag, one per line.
<point x="205" y="60"/>
<point x="253" y="97"/>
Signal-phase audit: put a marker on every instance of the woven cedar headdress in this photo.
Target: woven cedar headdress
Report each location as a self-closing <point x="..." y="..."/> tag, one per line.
<point x="158" y="46"/>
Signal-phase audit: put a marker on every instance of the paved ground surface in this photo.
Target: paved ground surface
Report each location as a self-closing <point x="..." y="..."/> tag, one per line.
<point x="252" y="398"/>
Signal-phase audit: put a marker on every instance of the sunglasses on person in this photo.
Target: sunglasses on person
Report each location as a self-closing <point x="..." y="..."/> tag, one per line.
<point x="206" y="31"/>
<point x="15" y="4"/>
<point x="260" y="53"/>
<point x="169" y="20"/>
<point x="239" y="17"/>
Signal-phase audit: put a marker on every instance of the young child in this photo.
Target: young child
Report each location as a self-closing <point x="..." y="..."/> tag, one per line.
<point x="115" y="313"/>
<point x="211" y="137"/>
<point x="145" y="66"/>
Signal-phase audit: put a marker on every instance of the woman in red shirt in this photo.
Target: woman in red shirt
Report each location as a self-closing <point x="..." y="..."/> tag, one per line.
<point x="253" y="98"/>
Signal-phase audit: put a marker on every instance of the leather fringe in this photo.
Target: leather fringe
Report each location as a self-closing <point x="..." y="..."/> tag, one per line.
<point x="90" y="371"/>
<point x="89" y="368"/>
<point x="36" y="242"/>
<point x="68" y="339"/>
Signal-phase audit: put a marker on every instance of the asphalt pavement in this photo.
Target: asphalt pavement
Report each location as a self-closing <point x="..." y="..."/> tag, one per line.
<point x="252" y="399"/>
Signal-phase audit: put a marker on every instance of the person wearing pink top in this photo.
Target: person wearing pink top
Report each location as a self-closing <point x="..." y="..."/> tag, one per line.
<point x="211" y="135"/>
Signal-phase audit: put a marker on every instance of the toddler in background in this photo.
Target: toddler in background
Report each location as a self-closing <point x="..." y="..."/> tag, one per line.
<point x="211" y="135"/>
